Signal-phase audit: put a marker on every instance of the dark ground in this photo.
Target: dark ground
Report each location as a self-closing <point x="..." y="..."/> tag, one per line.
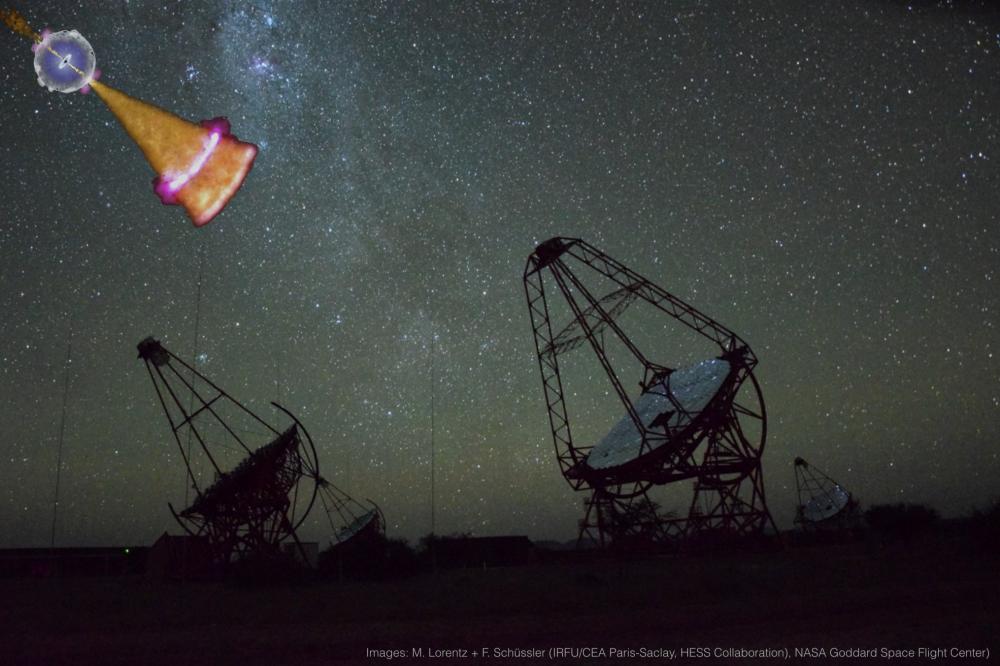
<point x="937" y="593"/>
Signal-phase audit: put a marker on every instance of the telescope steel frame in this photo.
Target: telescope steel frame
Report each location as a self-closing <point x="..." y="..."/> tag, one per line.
<point x="336" y="502"/>
<point x="812" y="483"/>
<point x="729" y="491"/>
<point x="243" y="512"/>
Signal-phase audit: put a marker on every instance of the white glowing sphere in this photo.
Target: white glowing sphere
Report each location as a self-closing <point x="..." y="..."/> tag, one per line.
<point x="64" y="61"/>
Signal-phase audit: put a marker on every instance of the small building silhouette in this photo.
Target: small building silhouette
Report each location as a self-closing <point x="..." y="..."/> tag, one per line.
<point x="178" y="557"/>
<point x="71" y="562"/>
<point x="307" y="555"/>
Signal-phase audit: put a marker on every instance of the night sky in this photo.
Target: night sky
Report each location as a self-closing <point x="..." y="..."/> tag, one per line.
<point x="820" y="177"/>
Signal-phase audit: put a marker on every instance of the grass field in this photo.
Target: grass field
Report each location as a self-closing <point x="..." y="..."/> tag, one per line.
<point x="933" y="594"/>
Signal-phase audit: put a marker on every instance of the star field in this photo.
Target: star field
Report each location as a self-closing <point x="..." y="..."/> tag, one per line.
<point x="821" y="178"/>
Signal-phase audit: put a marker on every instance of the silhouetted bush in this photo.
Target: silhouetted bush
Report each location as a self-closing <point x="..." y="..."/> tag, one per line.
<point x="428" y="547"/>
<point x="985" y="524"/>
<point x="989" y="518"/>
<point x="400" y="559"/>
<point x="900" y="520"/>
<point x="637" y="527"/>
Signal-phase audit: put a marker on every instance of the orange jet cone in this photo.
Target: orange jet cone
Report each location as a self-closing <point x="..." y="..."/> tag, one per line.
<point x="199" y="166"/>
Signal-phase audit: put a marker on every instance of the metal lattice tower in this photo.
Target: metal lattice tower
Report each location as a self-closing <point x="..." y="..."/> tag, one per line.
<point x="705" y="423"/>
<point x="349" y="519"/>
<point x="822" y="502"/>
<point x="247" y="509"/>
<point x="256" y="504"/>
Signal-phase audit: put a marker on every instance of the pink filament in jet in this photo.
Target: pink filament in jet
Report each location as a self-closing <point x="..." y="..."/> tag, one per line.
<point x="181" y="180"/>
<point x="167" y="188"/>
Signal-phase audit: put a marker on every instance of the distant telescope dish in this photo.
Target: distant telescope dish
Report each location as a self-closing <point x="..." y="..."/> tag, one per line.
<point x="828" y="506"/>
<point x="366" y="521"/>
<point x="349" y="520"/>
<point x="821" y="499"/>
